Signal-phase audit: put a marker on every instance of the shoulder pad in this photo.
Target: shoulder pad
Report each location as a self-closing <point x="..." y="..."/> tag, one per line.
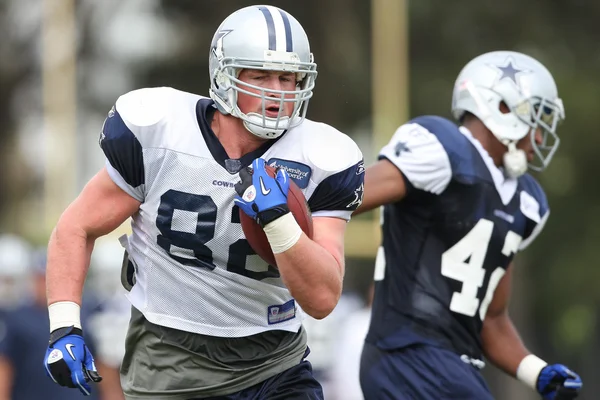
<point x="144" y="107"/>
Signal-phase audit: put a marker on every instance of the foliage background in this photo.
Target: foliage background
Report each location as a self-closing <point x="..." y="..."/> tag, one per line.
<point x="125" y="45"/>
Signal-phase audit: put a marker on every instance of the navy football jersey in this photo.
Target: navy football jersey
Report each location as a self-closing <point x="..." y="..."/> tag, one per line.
<point x="448" y="243"/>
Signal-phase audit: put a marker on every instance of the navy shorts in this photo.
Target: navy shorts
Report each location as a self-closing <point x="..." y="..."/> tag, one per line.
<point x="296" y="383"/>
<point x="419" y="372"/>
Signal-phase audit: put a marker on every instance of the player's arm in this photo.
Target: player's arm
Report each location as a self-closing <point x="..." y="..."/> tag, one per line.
<point x="384" y="184"/>
<point x="7" y="351"/>
<point x="110" y="197"/>
<point x="111" y="382"/>
<point x="313" y="270"/>
<point x="6" y="378"/>
<point x="501" y="342"/>
<point x="503" y="346"/>
<point x="101" y="207"/>
<point x="413" y="159"/>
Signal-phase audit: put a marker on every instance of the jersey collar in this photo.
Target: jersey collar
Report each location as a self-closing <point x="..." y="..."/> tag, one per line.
<point x="205" y="108"/>
<point x="506" y="186"/>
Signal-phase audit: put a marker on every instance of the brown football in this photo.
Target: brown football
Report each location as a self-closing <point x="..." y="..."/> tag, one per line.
<point x="256" y="236"/>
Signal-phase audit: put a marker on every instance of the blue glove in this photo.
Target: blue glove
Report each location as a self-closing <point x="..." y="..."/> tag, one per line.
<point x="261" y="196"/>
<point x="68" y="360"/>
<point x="557" y="382"/>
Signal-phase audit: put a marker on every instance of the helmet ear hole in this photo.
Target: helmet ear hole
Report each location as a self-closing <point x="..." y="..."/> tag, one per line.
<point x="503" y="107"/>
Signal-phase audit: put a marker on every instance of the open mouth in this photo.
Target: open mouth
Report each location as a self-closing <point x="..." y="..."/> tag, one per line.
<point x="272" y="111"/>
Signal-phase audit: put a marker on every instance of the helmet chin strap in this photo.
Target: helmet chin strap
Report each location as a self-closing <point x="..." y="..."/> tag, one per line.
<point x="514" y="160"/>
<point x="254" y="126"/>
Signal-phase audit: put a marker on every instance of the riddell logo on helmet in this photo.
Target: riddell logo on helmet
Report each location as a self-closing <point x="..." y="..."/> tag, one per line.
<point x="298" y="172"/>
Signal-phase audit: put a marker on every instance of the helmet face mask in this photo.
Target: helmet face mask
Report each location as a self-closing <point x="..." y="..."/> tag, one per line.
<point x="261" y="38"/>
<point x="543" y="115"/>
<point x="529" y="92"/>
<point x="228" y="75"/>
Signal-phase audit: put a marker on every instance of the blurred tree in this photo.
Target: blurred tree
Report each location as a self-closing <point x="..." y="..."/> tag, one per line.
<point x="17" y="68"/>
<point x="556" y="277"/>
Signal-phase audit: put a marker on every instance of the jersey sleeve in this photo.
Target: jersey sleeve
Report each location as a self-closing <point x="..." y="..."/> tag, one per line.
<point x="419" y="155"/>
<point x="124" y="155"/>
<point x="339" y="174"/>
<point x="534" y="205"/>
<point x="134" y="116"/>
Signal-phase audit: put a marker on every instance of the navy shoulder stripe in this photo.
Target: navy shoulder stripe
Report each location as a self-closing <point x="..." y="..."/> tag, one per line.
<point x="122" y="149"/>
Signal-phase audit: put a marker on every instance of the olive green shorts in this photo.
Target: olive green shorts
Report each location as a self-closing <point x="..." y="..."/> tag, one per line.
<point x="165" y="363"/>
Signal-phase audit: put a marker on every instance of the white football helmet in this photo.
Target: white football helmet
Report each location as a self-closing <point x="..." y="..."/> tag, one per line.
<point x="528" y="90"/>
<point x="267" y="38"/>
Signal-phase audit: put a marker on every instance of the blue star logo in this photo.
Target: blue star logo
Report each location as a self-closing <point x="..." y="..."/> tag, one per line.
<point x="217" y="43"/>
<point x="510" y="71"/>
<point x="400" y="148"/>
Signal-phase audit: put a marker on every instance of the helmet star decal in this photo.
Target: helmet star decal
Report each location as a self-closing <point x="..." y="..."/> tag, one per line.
<point x="510" y="71"/>
<point x="401" y="147"/>
<point x="217" y="44"/>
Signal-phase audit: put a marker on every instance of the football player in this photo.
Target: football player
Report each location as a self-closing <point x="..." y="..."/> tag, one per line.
<point x="458" y="206"/>
<point x="210" y="318"/>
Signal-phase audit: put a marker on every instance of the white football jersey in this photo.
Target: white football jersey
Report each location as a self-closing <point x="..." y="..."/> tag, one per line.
<point x="194" y="269"/>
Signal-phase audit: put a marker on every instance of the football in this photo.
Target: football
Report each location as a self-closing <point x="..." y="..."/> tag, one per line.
<point x="256" y="236"/>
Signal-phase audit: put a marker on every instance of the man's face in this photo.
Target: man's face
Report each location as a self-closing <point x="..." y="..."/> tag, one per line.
<point x="269" y="81"/>
<point x="526" y="145"/>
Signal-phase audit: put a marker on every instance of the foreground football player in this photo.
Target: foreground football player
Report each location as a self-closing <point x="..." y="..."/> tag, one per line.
<point x="458" y="205"/>
<point x="210" y="318"/>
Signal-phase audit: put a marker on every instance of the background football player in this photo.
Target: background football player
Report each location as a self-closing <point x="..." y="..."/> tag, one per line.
<point x="458" y="205"/>
<point x="209" y="317"/>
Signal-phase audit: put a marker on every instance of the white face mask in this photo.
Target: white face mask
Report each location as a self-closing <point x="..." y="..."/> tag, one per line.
<point x="259" y="124"/>
<point x="542" y="114"/>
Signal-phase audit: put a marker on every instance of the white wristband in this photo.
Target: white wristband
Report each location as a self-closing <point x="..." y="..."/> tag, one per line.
<point x="63" y="314"/>
<point x="283" y="233"/>
<point x="529" y="370"/>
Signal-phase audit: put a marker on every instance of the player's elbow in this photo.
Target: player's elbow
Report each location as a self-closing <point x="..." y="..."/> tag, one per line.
<point x="68" y="228"/>
<point x="321" y="306"/>
<point x="318" y="313"/>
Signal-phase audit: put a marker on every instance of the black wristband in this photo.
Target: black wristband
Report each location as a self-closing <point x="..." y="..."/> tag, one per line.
<point x="62" y="332"/>
<point x="270" y="215"/>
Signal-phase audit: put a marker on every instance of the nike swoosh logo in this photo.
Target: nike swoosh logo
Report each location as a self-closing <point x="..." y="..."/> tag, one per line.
<point x="69" y="346"/>
<point x="263" y="189"/>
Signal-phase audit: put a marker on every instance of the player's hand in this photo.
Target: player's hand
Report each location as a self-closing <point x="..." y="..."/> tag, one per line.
<point x="68" y="360"/>
<point x="261" y="196"/>
<point x="557" y="382"/>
